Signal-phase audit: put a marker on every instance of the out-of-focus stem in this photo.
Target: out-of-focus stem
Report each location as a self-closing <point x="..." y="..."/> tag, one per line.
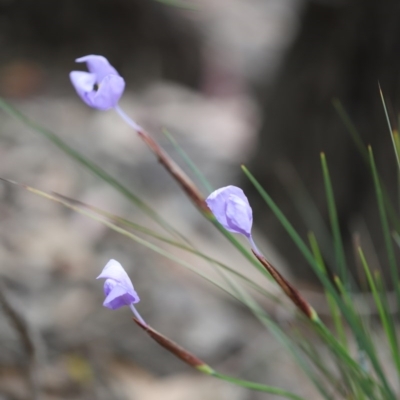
<point x="177" y="173"/>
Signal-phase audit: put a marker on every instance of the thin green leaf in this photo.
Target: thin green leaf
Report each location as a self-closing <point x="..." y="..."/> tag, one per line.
<point x="327" y="374"/>
<point x="358" y="331"/>
<point x="364" y="152"/>
<point x="337" y="237"/>
<point x="385" y="224"/>
<point x="384" y="315"/>
<point x="257" y="386"/>
<point x="307" y="209"/>
<point x="180" y="4"/>
<point x="89" y="165"/>
<point x="351" y="129"/>
<point x="390" y="127"/>
<point x="277" y="332"/>
<point x="334" y="309"/>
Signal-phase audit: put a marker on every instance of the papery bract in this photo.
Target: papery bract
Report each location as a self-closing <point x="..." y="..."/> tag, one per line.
<point x="118" y="288"/>
<point x="102" y="86"/>
<point x="231" y="209"/>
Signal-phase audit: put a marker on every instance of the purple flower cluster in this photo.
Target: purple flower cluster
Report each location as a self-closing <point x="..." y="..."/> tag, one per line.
<point x="101" y="88"/>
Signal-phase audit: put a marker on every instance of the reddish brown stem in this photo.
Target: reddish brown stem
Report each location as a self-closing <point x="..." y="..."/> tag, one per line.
<point x="177" y="173"/>
<point x="290" y="291"/>
<point x="175" y="349"/>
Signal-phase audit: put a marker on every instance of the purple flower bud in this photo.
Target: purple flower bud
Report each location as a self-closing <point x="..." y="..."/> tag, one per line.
<point x="118" y="288"/>
<point x="231" y="209"/>
<point x="102" y="86"/>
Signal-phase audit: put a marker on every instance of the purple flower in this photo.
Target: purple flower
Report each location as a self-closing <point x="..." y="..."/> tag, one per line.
<point x="118" y="288"/>
<point x="102" y="86"/>
<point x="231" y="209"/>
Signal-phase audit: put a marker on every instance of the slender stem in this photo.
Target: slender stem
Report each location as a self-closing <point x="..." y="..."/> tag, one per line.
<point x="254" y="246"/>
<point x="136" y="314"/>
<point x="257" y="386"/>
<point x="127" y="119"/>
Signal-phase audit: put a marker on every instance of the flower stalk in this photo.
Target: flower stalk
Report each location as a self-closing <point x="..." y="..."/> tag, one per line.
<point x="204" y="368"/>
<point x="170" y="165"/>
<point x="293" y="294"/>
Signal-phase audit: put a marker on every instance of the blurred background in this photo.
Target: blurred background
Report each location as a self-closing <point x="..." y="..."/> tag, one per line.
<point x="234" y="81"/>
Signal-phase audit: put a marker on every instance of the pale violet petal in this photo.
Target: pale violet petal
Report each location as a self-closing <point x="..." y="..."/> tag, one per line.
<point x="110" y="90"/>
<point x="83" y="82"/>
<point x="119" y="297"/>
<point x="115" y="271"/>
<point x="239" y="215"/>
<point x="98" y="65"/>
<point x="219" y="204"/>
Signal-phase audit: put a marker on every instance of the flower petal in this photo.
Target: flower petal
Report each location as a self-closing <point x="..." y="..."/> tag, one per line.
<point x="108" y="94"/>
<point x="99" y="66"/>
<point x="239" y="215"/>
<point x="115" y="271"/>
<point x="231" y="209"/>
<point x="119" y="297"/>
<point x="83" y="83"/>
<point x="109" y="285"/>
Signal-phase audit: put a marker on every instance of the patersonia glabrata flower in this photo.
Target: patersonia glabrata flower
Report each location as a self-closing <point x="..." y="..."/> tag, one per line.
<point x="231" y="209"/>
<point x="118" y="288"/>
<point x="102" y="86"/>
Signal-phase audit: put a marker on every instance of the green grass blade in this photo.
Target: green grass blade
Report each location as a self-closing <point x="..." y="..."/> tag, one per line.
<point x="367" y="345"/>
<point x="337" y="238"/>
<point x="277" y="332"/>
<point x="333" y="307"/>
<point x="180" y="4"/>
<point x="340" y="385"/>
<point x="396" y="141"/>
<point x="200" y="176"/>
<point x="351" y="129"/>
<point x="390" y="127"/>
<point x="396" y="237"/>
<point x="364" y="152"/>
<point x="92" y="167"/>
<point x="355" y="370"/>
<point x="283" y="220"/>
<point x="384" y="314"/>
<point x="286" y="342"/>
<point x="354" y="324"/>
<point x="385" y="225"/>
<point x="307" y="209"/>
<point x="257" y="386"/>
